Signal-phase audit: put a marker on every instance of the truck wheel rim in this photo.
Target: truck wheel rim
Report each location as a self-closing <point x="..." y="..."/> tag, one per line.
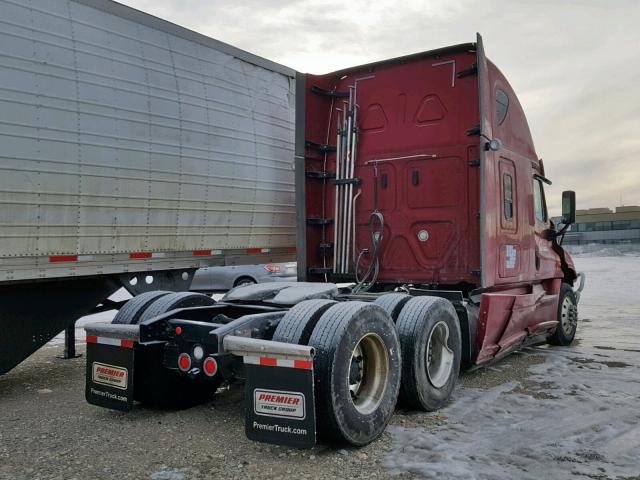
<point x="439" y="356"/>
<point x="568" y="317"/>
<point x="368" y="373"/>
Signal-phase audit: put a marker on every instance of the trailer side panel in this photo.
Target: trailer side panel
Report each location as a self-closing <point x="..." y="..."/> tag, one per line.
<point x="128" y="143"/>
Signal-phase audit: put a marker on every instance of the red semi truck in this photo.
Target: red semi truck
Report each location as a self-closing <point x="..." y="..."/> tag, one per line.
<point x="418" y="185"/>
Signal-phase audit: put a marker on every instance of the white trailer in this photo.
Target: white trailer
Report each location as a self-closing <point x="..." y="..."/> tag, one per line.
<point x="132" y="152"/>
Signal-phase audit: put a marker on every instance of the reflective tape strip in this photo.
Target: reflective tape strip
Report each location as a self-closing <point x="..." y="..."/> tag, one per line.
<point x="207" y="253"/>
<point x="269" y="362"/>
<point x="254" y="251"/>
<point x="304" y="364"/>
<point x="137" y="255"/>
<point x="63" y="258"/>
<point x="279" y="362"/>
<point x="252" y="360"/>
<point x="148" y="255"/>
<point x="117" y="342"/>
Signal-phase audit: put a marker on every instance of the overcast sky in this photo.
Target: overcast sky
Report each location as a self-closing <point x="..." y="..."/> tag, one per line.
<point x="574" y="64"/>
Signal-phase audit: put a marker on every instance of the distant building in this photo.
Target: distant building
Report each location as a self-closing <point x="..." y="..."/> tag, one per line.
<point x="603" y="225"/>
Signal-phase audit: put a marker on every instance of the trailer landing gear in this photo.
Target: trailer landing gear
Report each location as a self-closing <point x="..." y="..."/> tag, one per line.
<point x="70" y="343"/>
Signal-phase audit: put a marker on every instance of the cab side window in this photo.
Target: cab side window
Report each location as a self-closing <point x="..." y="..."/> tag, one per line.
<point x="539" y="203"/>
<point x="508" y="196"/>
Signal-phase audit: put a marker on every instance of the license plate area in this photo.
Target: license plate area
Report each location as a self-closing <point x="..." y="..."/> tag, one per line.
<point x="109" y="375"/>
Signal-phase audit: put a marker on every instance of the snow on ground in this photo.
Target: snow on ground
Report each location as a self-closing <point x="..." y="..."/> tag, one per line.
<point x="599" y="250"/>
<point x="576" y="415"/>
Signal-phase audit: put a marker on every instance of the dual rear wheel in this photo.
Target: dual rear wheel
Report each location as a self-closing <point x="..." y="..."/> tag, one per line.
<point x="368" y="354"/>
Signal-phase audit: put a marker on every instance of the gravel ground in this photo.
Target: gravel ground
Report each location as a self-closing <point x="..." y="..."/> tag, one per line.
<point x="48" y="431"/>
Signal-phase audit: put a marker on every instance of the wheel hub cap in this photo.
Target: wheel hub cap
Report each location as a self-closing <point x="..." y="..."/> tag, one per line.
<point x="368" y="373"/>
<point x="439" y="361"/>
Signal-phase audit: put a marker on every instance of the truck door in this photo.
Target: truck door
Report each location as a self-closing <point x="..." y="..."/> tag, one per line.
<point x="544" y="259"/>
<point x="509" y="236"/>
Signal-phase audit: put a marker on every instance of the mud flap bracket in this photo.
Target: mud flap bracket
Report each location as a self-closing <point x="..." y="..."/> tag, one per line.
<point x="279" y="396"/>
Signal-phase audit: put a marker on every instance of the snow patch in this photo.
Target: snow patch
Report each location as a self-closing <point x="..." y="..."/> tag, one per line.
<point x="168" y="475"/>
<point x="575" y="416"/>
<point x="600" y="250"/>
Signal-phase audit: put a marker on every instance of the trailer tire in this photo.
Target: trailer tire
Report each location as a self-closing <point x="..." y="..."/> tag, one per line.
<point x="567" y="317"/>
<point x="298" y="323"/>
<point x="134" y="308"/>
<point x="393" y="303"/>
<point x="357" y="342"/>
<point x="175" y="300"/>
<point x="429" y="326"/>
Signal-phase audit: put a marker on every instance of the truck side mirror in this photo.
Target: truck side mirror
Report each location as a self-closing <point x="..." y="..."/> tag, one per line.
<point x="568" y="207"/>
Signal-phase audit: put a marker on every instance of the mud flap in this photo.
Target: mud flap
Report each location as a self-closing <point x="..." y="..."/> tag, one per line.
<point x="109" y="381"/>
<point x="279" y="401"/>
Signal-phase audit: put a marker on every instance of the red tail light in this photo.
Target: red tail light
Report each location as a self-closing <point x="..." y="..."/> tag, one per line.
<point x="271" y="268"/>
<point x="184" y="362"/>
<point x="210" y="366"/>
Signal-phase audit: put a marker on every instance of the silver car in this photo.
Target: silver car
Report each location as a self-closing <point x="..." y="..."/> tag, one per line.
<point x="219" y="279"/>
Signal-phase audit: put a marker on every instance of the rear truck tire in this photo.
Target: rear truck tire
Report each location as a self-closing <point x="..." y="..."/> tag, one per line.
<point x="298" y="323"/>
<point x="393" y="303"/>
<point x="134" y="308"/>
<point x="431" y="346"/>
<point x="567" y="317"/>
<point x="175" y="300"/>
<point x="357" y="372"/>
<point x="153" y="384"/>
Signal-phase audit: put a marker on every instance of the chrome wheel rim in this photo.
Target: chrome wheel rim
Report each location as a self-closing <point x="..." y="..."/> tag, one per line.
<point x="568" y="316"/>
<point x="439" y="356"/>
<point x="368" y="373"/>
